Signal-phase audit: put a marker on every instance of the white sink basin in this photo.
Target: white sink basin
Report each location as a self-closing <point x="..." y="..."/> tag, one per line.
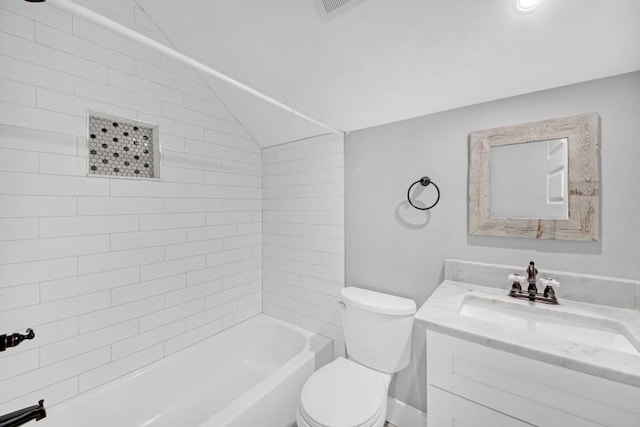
<point x="527" y="318"/>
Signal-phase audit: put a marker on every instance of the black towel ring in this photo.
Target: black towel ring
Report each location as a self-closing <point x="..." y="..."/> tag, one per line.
<point x="424" y="181"/>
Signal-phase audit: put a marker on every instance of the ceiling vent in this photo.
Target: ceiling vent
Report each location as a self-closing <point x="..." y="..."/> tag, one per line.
<point x="330" y="8"/>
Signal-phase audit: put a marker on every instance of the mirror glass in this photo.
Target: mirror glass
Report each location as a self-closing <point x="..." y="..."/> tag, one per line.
<point x="530" y="180"/>
<point x="538" y="180"/>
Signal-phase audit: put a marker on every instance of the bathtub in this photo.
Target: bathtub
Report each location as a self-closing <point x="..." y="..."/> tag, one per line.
<point x="248" y="375"/>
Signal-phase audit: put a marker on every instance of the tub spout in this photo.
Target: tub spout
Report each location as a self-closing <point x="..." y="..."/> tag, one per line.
<point x="22" y="416"/>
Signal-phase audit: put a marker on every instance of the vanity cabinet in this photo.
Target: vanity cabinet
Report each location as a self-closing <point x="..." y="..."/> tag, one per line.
<point x="471" y="384"/>
<point x="452" y="410"/>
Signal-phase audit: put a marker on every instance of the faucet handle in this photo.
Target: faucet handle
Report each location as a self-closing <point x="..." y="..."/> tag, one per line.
<point x="516" y="280"/>
<point x="549" y="292"/>
<point x="12" y="340"/>
<point x="548" y="281"/>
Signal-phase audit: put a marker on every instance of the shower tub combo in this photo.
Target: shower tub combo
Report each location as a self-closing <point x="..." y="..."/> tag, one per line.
<point x="248" y="375"/>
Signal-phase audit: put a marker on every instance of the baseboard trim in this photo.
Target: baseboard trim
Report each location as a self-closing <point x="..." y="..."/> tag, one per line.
<point x="402" y="415"/>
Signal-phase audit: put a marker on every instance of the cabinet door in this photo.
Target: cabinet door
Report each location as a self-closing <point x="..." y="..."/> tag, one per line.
<point x="539" y="393"/>
<point x="448" y="410"/>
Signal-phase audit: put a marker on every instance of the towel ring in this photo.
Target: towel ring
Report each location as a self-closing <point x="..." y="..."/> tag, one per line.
<point x="424" y="181"/>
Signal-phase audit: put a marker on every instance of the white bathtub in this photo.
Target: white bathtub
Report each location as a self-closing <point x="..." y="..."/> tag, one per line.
<point x="248" y="375"/>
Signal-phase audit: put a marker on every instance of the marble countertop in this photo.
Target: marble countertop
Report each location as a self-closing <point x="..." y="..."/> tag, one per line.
<point x="441" y="313"/>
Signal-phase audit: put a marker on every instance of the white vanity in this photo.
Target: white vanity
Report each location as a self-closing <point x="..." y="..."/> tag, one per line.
<point x="493" y="360"/>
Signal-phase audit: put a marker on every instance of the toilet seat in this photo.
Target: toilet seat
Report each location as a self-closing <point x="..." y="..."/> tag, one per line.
<point x="343" y="393"/>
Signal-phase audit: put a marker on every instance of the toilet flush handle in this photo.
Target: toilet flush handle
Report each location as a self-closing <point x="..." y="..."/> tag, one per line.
<point x="342" y="305"/>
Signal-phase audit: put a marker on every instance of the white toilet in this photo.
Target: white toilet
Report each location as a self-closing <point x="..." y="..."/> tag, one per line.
<point x="353" y="392"/>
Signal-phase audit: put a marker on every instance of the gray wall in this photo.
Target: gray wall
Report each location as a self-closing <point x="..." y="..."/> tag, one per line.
<point x="393" y="248"/>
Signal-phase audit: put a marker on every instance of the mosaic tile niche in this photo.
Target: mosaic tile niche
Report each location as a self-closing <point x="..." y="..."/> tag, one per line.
<point x="119" y="148"/>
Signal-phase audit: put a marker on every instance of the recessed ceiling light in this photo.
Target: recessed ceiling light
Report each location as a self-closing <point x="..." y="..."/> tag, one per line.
<point x="526" y="6"/>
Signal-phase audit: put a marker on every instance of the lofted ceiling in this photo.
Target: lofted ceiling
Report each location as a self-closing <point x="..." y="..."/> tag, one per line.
<point x="382" y="61"/>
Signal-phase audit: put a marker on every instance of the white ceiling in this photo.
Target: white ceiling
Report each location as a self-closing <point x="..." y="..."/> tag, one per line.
<point x="387" y="60"/>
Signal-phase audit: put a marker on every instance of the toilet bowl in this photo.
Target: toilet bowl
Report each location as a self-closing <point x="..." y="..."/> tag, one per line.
<point x="344" y="393"/>
<point x="353" y="392"/>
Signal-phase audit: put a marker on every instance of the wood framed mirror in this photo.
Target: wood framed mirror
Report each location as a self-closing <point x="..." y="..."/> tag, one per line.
<point x="537" y="180"/>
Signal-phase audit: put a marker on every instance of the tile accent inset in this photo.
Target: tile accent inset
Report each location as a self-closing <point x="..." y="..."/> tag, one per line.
<point x="117" y="148"/>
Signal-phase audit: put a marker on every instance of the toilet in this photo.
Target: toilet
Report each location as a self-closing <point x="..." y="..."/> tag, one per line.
<point x="353" y="392"/>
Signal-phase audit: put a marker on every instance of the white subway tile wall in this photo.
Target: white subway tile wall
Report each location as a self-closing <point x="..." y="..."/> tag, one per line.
<point x="303" y="234"/>
<point x="113" y="273"/>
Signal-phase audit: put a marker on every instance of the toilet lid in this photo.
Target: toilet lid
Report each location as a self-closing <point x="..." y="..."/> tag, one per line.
<point x="343" y="393"/>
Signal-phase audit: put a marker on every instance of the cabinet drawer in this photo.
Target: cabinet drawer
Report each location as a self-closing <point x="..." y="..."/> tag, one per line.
<point x="538" y="393"/>
<point x="449" y="410"/>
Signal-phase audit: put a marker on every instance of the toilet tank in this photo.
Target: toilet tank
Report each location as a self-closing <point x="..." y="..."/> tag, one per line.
<point x="377" y="328"/>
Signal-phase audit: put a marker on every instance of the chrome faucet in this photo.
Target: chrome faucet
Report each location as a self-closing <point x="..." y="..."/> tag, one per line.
<point x="22" y="416"/>
<point x="532" y="272"/>
<point x="547" y="296"/>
